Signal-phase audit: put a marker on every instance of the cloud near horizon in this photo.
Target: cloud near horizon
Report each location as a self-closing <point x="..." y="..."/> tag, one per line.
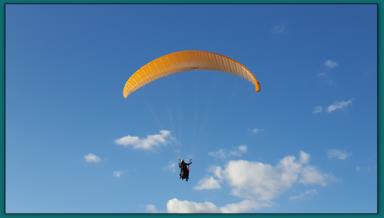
<point x="151" y="208"/>
<point x="175" y="205"/>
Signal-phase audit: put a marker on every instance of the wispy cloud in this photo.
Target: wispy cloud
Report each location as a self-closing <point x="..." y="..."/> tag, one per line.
<point x="330" y="64"/>
<point x="303" y="195"/>
<point x="280" y="28"/>
<point x="335" y="106"/>
<point x="92" y="158"/>
<point x="151" y="208"/>
<point x="149" y="142"/>
<point x="322" y="74"/>
<point x="318" y="109"/>
<point x="208" y="183"/>
<point x="338" y="105"/>
<point x="225" y="154"/>
<point x="337" y="154"/>
<point x="118" y="173"/>
<point x="256" y="131"/>
<point x="257" y="183"/>
<point x="171" y="166"/>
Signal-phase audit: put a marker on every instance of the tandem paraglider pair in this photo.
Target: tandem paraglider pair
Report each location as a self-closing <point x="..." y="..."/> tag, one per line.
<point x="183" y="61"/>
<point x="184" y="169"/>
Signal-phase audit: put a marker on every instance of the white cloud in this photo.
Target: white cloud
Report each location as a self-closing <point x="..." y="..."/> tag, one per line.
<point x="175" y="205"/>
<point x="338" y="105"/>
<point x="217" y="172"/>
<point x="224" y="154"/>
<point x="241" y="149"/>
<point x="92" y="158"/>
<point x="259" y="184"/>
<point x="208" y="184"/>
<point x="256" y="184"/>
<point x="244" y="206"/>
<point x="118" y="173"/>
<point x="150" y="208"/>
<point x="311" y="176"/>
<point x="264" y="182"/>
<point x="148" y="143"/>
<point x="256" y="130"/>
<point x="318" y="109"/>
<point x="338" y="154"/>
<point x="330" y="64"/>
<point x="183" y="206"/>
<point x="304" y="157"/>
<point x="305" y="194"/>
<point x="335" y="106"/>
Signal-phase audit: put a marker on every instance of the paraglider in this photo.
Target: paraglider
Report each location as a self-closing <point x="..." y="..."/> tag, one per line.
<point x="184" y="169"/>
<point x="182" y="61"/>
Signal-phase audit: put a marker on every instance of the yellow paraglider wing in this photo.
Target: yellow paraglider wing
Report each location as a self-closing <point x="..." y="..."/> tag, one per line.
<point x="188" y="60"/>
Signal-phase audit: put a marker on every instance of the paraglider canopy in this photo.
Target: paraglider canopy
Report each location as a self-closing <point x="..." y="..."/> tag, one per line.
<point x="187" y="60"/>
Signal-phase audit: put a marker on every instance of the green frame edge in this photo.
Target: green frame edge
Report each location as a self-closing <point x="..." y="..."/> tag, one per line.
<point x="380" y="170"/>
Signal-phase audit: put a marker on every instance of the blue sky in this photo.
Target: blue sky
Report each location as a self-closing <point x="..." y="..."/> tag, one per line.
<point x="305" y="143"/>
